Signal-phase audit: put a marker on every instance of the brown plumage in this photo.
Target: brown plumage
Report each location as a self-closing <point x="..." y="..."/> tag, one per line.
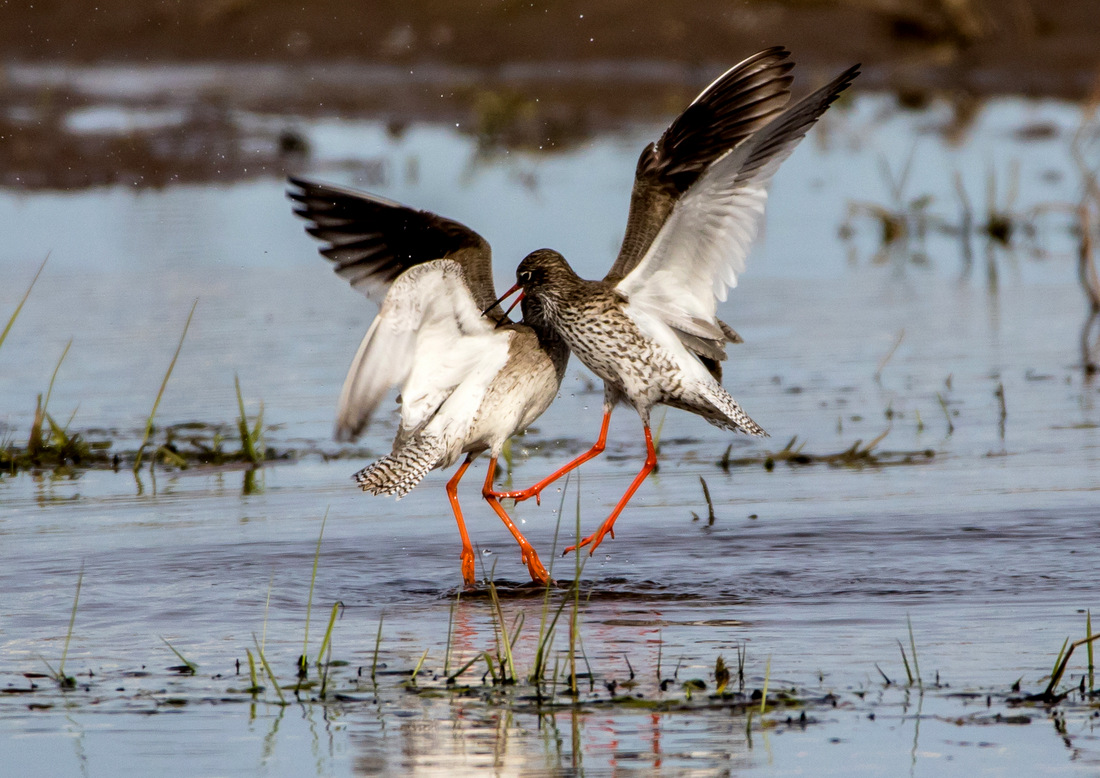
<point x="649" y="329"/>
<point x="468" y="382"/>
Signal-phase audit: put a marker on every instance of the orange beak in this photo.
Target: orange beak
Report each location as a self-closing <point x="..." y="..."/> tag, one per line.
<point x="504" y="297"/>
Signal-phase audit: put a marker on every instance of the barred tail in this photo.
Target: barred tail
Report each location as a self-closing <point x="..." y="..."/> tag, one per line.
<point x="400" y="471"/>
<point x="730" y="415"/>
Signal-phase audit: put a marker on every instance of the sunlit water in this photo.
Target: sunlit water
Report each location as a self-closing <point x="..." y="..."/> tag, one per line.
<point x="988" y="546"/>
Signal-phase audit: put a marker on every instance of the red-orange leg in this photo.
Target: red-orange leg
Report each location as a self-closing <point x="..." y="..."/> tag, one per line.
<point x="467" y="549"/>
<point x="529" y="556"/>
<point x="606" y="527"/>
<point x="596" y="450"/>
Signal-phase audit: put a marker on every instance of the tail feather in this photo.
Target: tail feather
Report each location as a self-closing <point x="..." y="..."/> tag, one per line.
<point x="730" y="414"/>
<point x="397" y="473"/>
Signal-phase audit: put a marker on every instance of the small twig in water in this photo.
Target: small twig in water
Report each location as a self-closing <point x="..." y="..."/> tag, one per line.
<point x="710" y="503"/>
<point x="889" y="354"/>
<point x="1000" y="395"/>
<point x="946" y="413"/>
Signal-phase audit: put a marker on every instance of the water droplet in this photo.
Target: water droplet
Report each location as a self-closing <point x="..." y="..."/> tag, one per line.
<point x="486" y="551"/>
<point x="607" y="557"/>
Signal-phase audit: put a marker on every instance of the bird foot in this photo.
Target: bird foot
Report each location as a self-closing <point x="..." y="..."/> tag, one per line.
<point x="593" y="540"/>
<point x="521" y="495"/>
<point x="534" y="567"/>
<point x="468" y="576"/>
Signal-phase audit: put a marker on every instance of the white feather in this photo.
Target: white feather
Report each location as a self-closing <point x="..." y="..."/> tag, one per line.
<point x="701" y="249"/>
<point x="430" y="339"/>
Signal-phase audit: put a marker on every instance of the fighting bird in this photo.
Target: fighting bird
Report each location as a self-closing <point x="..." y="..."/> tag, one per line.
<point x="467" y="381"/>
<point x="649" y="329"/>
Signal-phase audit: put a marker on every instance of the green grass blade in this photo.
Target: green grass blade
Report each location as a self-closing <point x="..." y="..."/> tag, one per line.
<point x="191" y="666"/>
<point x="1061" y="653"/>
<point x="508" y="663"/>
<point x="464" y="668"/>
<point x="326" y="643"/>
<point x="49" y="390"/>
<point x="255" y="683"/>
<point x="764" y="693"/>
<point x="450" y="635"/>
<point x="18" y="308"/>
<point x="72" y="618"/>
<point x="267" y="607"/>
<point x="303" y="662"/>
<point x="160" y="394"/>
<point x="377" y="643"/>
<point x="1088" y="631"/>
<point x="267" y="669"/>
<point x="913" y="646"/>
<point x="416" y="670"/>
<point x="905" y="661"/>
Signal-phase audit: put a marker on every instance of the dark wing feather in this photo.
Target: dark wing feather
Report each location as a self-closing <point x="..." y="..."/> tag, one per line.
<point x="372" y="240"/>
<point x="741" y="101"/>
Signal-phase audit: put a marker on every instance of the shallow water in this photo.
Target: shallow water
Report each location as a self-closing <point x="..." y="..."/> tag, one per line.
<point x="988" y="545"/>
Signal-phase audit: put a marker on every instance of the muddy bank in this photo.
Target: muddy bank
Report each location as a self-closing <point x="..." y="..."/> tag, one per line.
<point x="982" y="46"/>
<point x="152" y="96"/>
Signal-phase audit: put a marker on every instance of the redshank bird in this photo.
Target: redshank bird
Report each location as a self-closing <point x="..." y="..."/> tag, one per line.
<point x="468" y="382"/>
<point x="734" y="106"/>
<point x="649" y="329"/>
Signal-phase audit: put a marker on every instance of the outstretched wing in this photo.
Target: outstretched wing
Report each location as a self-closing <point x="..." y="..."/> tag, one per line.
<point x="372" y="240"/>
<point x="738" y="103"/>
<point x="702" y="246"/>
<point x="429" y="336"/>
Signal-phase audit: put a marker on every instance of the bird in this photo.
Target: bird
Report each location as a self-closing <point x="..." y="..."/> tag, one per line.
<point x="737" y="103"/>
<point x="469" y="377"/>
<point x="649" y="329"/>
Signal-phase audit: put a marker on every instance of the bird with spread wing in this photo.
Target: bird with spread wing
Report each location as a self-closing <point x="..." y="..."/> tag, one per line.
<point x="649" y="329"/>
<point x="467" y="381"/>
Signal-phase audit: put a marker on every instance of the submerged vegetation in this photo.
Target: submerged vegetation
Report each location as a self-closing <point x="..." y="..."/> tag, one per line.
<point x="51" y="446"/>
<point x="508" y="669"/>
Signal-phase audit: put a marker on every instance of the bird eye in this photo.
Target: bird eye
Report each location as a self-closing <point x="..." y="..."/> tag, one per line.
<point x="524" y="276"/>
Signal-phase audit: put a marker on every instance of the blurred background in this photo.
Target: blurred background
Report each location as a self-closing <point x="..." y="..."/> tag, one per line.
<point x="514" y="74"/>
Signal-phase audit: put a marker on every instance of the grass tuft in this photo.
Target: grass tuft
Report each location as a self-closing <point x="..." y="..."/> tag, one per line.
<point x="1063" y="660"/>
<point x="160" y="393"/>
<point x="252" y="446"/>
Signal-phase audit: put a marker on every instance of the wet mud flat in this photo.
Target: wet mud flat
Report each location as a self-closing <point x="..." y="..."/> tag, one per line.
<point x="923" y="516"/>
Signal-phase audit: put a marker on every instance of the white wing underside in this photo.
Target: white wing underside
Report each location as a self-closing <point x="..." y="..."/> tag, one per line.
<point x="702" y="247"/>
<point x="430" y="339"/>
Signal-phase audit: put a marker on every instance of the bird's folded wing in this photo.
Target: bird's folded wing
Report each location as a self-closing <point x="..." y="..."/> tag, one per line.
<point x="372" y="240"/>
<point x="428" y="337"/>
<point x="701" y="249"/>
<point x="738" y="103"/>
